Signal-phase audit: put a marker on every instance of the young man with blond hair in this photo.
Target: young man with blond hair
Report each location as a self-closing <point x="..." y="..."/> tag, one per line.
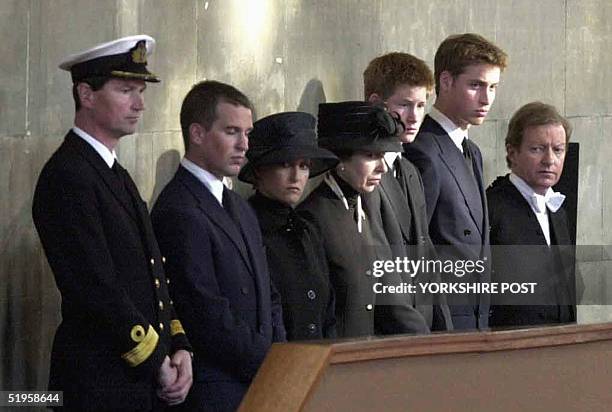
<point x="467" y="69"/>
<point x="402" y="83"/>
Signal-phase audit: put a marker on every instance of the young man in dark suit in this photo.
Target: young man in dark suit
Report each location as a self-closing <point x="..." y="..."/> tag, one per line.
<point x="529" y="222"/>
<point x="119" y="341"/>
<point x="214" y="248"/>
<point x="402" y="83"/>
<point x="467" y="71"/>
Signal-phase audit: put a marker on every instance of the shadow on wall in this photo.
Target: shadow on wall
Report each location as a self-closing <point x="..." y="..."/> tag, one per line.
<point x="165" y="168"/>
<point x="29" y="309"/>
<point x="312" y="95"/>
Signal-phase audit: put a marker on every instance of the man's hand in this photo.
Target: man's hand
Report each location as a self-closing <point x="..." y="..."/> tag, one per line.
<point x="175" y="392"/>
<point x="167" y="373"/>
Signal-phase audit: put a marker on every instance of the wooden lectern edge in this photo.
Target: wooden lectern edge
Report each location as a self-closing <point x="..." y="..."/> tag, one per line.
<point x="298" y="368"/>
<point x="283" y="364"/>
<point x="449" y="343"/>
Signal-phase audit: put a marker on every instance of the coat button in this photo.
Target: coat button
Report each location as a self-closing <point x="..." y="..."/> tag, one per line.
<point x="312" y="328"/>
<point x="161" y="305"/>
<point x="369" y="306"/>
<point x="163" y="259"/>
<point x="152" y="262"/>
<point x="171" y="302"/>
<point x="161" y="326"/>
<point x="311" y="294"/>
<point x="467" y="232"/>
<point x="244" y="290"/>
<point x="157" y="283"/>
<point x="167" y="281"/>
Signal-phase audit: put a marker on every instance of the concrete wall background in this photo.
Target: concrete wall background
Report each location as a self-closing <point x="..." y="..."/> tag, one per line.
<point x="285" y="55"/>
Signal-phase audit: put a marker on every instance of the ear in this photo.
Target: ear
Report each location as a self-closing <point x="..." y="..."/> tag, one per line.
<point x="511" y="153"/>
<point x="196" y="133"/>
<point x="446" y="80"/>
<point x="86" y="95"/>
<point x="375" y="98"/>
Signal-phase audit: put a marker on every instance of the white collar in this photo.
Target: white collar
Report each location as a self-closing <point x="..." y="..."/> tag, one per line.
<point x="390" y="158"/>
<point x="551" y="200"/>
<point x="212" y="183"/>
<point x="107" y="155"/>
<point x="335" y="187"/>
<point x="455" y="132"/>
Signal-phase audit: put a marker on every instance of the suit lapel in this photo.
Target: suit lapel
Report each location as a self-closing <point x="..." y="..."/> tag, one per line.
<point x="215" y="212"/>
<point x="453" y="160"/>
<point x="116" y="187"/>
<point x="141" y="209"/>
<point x="558" y="227"/>
<point x="393" y="192"/>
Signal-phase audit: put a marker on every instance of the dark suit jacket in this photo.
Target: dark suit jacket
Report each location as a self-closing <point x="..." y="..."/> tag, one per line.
<point x="99" y="242"/>
<point x="221" y="288"/>
<point x="457" y="210"/>
<point x="521" y="254"/>
<point x="399" y="209"/>
<point x="350" y="256"/>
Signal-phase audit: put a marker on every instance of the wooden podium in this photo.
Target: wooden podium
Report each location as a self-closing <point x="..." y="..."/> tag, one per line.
<point x="559" y="368"/>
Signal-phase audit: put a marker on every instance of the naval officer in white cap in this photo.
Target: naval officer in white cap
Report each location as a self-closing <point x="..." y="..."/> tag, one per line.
<point x="120" y="345"/>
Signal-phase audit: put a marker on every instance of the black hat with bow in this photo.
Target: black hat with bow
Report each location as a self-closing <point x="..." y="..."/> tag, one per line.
<point x="347" y="127"/>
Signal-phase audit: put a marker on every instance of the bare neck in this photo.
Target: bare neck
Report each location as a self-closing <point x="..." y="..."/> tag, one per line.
<point x="448" y="112"/>
<point x="82" y="121"/>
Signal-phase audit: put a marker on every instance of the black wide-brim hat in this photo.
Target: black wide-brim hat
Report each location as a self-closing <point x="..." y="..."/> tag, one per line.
<point x="285" y="137"/>
<point x="346" y="127"/>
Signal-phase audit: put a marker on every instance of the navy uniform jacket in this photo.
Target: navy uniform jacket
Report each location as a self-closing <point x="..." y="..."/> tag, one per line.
<point x="221" y="288"/>
<point x="118" y="322"/>
<point x="457" y="210"/>
<point x="399" y="208"/>
<point x="526" y="257"/>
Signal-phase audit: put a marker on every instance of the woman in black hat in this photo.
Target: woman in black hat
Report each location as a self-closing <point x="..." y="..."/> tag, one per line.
<point x="283" y="154"/>
<point x="359" y="134"/>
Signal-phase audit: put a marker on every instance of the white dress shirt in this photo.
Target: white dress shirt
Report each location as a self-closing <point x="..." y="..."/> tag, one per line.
<point x="107" y="155"/>
<point x="539" y="204"/>
<point x="455" y="132"/>
<point x="214" y="185"/>
<point x="390" y="158"/>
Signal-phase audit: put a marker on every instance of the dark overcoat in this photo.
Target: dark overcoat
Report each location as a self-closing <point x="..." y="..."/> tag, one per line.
<point x="399" y="208"/>
<point x="298" y="268"/>
<point x="520" y="254"/>
<point x="457" y="210"/>
<point x="221" y="288"/>
<point x="350" y="256"/>
<point x="118" y="322"/>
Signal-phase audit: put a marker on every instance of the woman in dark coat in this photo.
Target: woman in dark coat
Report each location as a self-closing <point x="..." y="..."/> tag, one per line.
<point x="359" y="134"/>
<point x="283" y="154"/>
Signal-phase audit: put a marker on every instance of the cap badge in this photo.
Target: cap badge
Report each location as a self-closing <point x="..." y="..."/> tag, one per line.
<point x="139" y="54"/>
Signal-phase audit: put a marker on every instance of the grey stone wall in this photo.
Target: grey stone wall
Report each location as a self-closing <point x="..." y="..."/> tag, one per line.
<point x="285" y="55"/>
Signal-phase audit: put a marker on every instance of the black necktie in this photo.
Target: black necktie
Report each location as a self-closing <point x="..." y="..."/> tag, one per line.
<point x="397" y="170"/>
<point x="467" y="155"/>
<point x="229" y="206"/>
